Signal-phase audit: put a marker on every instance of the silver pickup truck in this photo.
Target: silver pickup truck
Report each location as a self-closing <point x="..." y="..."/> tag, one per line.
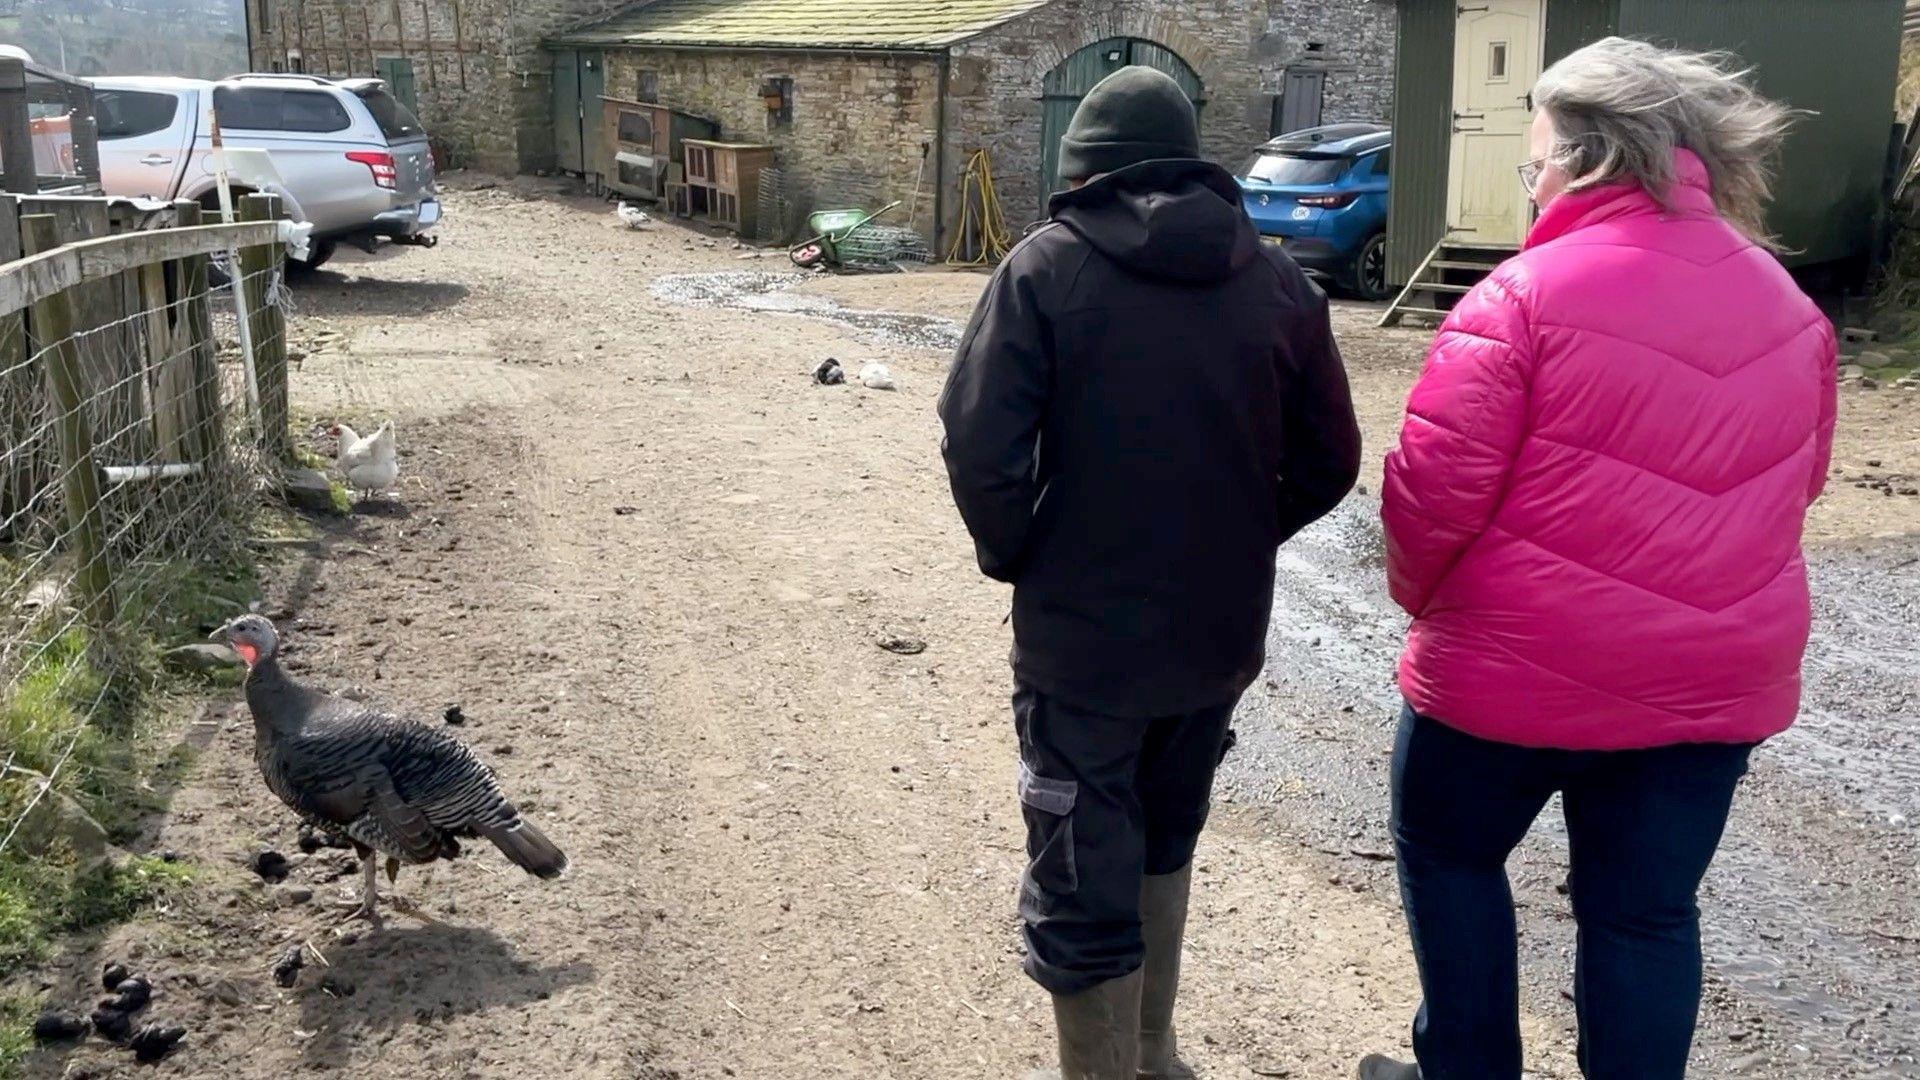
<point x="353" y="160"/>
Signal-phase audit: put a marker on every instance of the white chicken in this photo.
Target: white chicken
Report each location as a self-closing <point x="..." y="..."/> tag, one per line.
<point x="372" y="463"/>
<point x="632" y="216"/>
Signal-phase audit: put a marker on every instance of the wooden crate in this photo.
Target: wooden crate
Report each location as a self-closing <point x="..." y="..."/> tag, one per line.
<point x="728" y="175"/>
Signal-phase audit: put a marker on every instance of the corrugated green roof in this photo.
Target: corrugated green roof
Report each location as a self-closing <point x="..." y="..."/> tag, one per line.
<point x="865" y="24"/>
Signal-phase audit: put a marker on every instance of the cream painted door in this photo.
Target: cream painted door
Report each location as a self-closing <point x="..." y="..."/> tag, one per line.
<point x="1496" y="61"/>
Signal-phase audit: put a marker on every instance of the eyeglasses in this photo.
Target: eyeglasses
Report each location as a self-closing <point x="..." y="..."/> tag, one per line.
<point x="1530" y="175"/>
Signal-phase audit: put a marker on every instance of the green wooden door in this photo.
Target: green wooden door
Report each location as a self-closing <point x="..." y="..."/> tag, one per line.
<point x="593" y="83"/>
<point x="566" y="110"/>
<point x="397" y="73"/>
<point x="1067" y="84"/>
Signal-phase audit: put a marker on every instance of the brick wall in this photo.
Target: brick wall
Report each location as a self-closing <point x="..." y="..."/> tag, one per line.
<point x="859" y="119"/>
<point x="482" y="81"/>
<point x="1240" y="50"/>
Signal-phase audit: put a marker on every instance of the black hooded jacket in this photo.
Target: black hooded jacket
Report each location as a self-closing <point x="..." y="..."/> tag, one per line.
<point x="1147" y="403"/>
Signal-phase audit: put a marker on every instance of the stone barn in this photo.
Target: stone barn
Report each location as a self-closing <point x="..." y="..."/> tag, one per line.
<point x="473" y="69"/>
<point x="871" y="101"/>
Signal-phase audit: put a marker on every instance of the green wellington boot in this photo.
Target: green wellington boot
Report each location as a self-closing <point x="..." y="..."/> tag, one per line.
<point x="1163" y="923"/>
<point x="1099" y="1031"/>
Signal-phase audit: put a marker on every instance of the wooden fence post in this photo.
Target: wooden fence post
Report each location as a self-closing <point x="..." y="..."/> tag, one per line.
<point x="205" y="413"/>
<point x="20" y="393"/>
<point x="168" y="370"/>
<point x="79" y="473"/>
<point x="258" y="263"/>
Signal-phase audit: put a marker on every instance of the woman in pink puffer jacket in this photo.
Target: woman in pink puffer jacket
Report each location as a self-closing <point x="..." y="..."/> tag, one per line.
<point x="1594" y="517"/>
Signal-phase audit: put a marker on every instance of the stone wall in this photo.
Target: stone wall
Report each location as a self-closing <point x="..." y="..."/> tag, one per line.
<point x="482" y="81"/>
<point x="1351" y="40"/>
<point x="859" y="123"/>
<point x="859" y="119"/>
<point x="1240" y="50"/>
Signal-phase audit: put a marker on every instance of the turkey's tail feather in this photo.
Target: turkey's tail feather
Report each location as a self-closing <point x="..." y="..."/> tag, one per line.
<point x="529" y="849"/>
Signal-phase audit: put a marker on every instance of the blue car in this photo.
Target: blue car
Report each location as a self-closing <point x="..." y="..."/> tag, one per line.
<point x="1322" y="195"/>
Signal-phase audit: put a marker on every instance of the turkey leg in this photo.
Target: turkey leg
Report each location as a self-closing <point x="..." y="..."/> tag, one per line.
<point x="369" y="893"/>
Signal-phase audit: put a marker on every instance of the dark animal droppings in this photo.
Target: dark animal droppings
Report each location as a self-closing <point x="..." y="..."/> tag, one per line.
<point x="156" y="1041"/>
<point x="56" y="1026"/>
<point x="112" y="1023"/>
<point x="286" y="970"/>
<point x="133" y="993"/>
<point x="113" y="975"/>
<point x="271" y="866"/>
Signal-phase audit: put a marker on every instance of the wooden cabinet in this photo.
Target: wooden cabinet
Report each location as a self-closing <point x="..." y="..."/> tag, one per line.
<point x="723" y="182"/>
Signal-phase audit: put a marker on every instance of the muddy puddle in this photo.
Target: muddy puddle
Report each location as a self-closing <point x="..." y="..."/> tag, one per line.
<point x="773" y="293"/>
<point x="1811" y="911"/>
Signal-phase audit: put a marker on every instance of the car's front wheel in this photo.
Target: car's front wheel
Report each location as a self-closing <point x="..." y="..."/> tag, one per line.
<point x="1368" y="277"/>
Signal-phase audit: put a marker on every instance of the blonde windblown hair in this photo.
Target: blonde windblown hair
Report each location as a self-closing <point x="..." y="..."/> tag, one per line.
<point x="1620" y="107"/>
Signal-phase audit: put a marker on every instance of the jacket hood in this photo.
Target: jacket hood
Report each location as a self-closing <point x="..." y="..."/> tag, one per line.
<point x="1178" y="220"/>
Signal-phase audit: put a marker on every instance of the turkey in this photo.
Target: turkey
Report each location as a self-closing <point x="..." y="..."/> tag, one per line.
<point x="369" y="464"/>
<point x="390" y="784"/>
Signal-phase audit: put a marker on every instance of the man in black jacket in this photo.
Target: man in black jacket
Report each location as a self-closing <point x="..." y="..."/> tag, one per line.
<point x="1147" y="403"/>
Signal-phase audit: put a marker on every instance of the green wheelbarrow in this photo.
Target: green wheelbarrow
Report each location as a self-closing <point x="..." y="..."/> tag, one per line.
<point x="832" y="228"/>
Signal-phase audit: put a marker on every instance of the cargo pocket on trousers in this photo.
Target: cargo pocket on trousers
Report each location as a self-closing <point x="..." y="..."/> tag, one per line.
<point x="1047" y="806"/>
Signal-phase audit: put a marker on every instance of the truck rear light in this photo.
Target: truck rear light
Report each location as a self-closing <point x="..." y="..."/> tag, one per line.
<point x="1329" y="202"/>
<point x="385" y="174"/>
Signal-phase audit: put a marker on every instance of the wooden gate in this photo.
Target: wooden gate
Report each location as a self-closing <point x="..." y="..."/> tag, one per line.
<point x="1067" y="84"/>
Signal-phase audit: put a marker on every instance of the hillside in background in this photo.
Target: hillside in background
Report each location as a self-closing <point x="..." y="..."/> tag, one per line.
<point x="200" y="38"/>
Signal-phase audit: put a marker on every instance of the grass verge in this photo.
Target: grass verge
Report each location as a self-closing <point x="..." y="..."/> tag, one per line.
<point x="95" y="709"/>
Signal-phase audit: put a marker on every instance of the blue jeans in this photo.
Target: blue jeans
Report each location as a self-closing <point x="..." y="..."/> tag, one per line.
<point x="1642" y="826"/>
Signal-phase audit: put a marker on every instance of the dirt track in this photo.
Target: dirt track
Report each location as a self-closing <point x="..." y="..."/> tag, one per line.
<point x="652" y="562"/>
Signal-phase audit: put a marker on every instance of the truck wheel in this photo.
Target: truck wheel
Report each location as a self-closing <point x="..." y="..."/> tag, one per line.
<point x="318" y="252"/>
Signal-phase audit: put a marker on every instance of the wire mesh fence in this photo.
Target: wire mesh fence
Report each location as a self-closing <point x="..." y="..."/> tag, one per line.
<point x="132" y="459"/>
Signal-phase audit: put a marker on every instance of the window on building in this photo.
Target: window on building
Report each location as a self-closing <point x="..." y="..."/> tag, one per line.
<point x="259" y="108"/>
<point x="1497" y="62"/>
<point x="777" y="92"/>
<point x="648" y="89"/>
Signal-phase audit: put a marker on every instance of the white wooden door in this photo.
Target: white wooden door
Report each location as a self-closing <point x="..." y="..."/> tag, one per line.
<point x="1496" y="60"/>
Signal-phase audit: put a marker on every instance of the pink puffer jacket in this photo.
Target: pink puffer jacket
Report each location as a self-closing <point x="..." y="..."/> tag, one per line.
<point x="1595" y="511"/>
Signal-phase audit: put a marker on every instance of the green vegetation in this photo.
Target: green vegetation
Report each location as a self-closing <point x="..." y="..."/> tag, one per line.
<point x="342" y="499"/>
<point x="16" y="1032"/>
<point x="88" y="708"/>
<point x="54" y="894"/>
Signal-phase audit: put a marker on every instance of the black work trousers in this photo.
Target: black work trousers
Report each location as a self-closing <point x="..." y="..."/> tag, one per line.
<point x="1106" y="800"/>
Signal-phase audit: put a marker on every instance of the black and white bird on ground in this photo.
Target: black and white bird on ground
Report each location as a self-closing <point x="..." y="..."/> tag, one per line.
<point x="390" y="784"/>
